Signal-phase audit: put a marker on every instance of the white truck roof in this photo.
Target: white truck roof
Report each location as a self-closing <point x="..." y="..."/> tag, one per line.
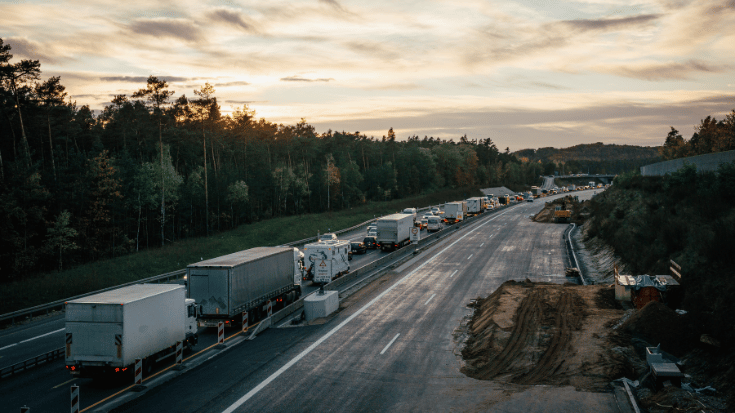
<point x="327" y="243"/>
<point x="240" y="257"/>
<point x="127" y="294"/>
<point x="394" y="217"/>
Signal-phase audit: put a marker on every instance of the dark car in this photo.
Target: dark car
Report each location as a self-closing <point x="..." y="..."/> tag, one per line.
<point x="358" y="247"/>
<point x="370" y="243"/>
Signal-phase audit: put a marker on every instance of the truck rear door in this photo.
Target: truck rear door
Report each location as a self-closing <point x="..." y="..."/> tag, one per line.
<point x="209" y="289"/>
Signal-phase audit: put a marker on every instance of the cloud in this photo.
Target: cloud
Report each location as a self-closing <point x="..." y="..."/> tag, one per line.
<point x="142" y="79"/>
<point x="333" y="3"/>
<point x="546" y="85"/>
<point x="30" y="49"/>
<point x="245" y="102"/>
<point x="373" y="49"/>
<point x="606" y="24"/>
<point x="237" y="83"/>
<point x="664" y="71"/>
<point x="302" y="79"/>
<point x="234" y="19"/>
<point x="165" y="27"/>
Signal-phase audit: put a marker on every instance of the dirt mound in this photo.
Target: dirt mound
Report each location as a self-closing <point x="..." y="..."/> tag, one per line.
<point x="537" y="333"/>
<point x="656" y="323"/>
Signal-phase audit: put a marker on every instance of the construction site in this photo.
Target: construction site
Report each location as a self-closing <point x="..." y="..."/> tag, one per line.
<point x="622" y="333"/>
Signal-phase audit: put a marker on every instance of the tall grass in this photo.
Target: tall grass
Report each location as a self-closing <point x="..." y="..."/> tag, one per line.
<point x="54" y="286"/>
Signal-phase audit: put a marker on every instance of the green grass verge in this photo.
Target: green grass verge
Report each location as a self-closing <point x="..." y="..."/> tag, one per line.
<point x="53" y="286"/>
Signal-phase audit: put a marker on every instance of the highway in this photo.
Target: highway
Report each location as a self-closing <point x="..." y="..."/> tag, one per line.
<point x="392" y="348"/>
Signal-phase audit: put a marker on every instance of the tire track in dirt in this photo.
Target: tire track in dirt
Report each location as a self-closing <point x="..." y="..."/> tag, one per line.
<point x="527" y="317"/>
<point x="553" y="357"/>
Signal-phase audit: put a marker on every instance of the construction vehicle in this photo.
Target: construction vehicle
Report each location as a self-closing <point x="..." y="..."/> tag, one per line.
<point x="561" y="214"/>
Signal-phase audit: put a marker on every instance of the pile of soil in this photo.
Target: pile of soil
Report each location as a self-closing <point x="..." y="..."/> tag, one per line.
<point x="542" y="333"/>
<point x="658" y="324"/>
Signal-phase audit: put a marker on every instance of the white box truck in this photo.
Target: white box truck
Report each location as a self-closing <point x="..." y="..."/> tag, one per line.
<point x="326" y="260"/>
<point x="106" y="332"/>
<point x="394" y="231"/>
<point x="474" y="206"/>
<point x="226" y="286"/>
<point x="455" y="211"/>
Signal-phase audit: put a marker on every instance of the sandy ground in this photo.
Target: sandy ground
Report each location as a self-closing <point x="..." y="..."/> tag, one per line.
<point x="551" y="334"/>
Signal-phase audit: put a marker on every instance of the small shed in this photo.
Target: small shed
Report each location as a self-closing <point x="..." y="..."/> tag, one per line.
<point x="647" y="288"/>
<point x="623" y="287"/>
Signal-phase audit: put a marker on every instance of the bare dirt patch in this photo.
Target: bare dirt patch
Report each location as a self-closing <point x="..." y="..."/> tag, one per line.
<point x="538" y="333"/>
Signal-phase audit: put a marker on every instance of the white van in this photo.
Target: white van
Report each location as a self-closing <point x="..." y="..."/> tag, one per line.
<point x="433" y="224"/>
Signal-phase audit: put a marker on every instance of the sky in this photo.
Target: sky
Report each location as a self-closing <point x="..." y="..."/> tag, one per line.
<point x="525" y="73"/>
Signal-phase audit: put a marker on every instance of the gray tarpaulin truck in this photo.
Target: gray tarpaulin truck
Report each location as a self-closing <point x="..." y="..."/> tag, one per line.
<point x="224" y="287"/>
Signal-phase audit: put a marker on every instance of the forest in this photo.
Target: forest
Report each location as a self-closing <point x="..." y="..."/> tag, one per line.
<point x="154" y="167"/>
<point x="709" y="136"/>
<point x="591" y="158"/>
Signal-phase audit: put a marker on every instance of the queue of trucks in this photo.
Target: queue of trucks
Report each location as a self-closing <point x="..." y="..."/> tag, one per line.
<point x="108" y="331"/>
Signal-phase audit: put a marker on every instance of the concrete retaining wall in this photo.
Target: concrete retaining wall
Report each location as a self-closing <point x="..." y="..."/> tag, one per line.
<point x="708" y="162"/>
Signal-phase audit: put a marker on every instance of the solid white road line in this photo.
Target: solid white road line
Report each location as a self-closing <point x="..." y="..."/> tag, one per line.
<point x="427" y="301"/>
<point x="317" y="343"/>
<point x="42" y="335"/>
<point x="455" y="271"/>
<point x="391" y="342"/>
<point x="32" y="338"/>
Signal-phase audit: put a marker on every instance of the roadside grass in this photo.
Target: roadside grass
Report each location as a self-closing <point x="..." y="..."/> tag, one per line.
<point x="53" y="286"/>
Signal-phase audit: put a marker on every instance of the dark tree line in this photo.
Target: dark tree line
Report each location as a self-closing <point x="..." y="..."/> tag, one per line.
<point x="593" y="158"/>
<point x="710" y="136"/>
<point x="154" y="167"/>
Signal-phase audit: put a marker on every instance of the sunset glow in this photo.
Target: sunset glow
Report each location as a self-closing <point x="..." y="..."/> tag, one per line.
<point x="526" y="74"/>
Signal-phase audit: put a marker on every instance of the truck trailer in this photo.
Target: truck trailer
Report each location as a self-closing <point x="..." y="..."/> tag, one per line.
<point x="225" y="286"/>
<point x="107" y="332"/>
<point x="455" y="211"/>
<point x="326" y="260"/>
<point x="475" y="206"/>
<point x="394" y="231"/>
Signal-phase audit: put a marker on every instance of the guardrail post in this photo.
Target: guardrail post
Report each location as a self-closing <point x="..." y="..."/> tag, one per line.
<point x="179" y="353"/>
<point x="75" y="399"/>
<point x="220" y="333"/>
<point x="138" y="371"/>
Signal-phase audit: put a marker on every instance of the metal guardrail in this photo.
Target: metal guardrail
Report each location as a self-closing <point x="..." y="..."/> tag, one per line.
<point x="31" y="362"/>
<point x="573" y="256"/>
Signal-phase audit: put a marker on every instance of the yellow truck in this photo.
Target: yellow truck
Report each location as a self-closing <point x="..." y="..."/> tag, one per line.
<point x="562" y="215"/>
